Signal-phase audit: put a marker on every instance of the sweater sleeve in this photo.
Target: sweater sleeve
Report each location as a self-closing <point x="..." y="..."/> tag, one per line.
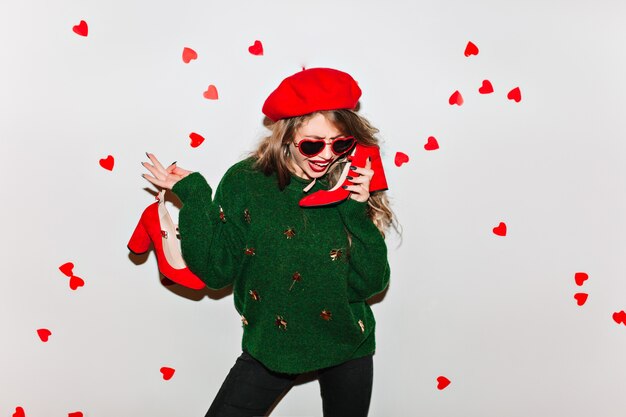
<point x="212" y="234"/>
<point x="369" y="268"/>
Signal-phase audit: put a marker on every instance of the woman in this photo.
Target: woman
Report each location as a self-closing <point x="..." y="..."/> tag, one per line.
<point x="302" y="264"/>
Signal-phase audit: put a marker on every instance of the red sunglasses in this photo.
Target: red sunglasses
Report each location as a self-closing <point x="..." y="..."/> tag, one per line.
<point x="313" y="147"/>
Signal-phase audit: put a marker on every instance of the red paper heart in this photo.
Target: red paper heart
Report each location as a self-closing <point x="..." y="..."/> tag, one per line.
<point x="107" y="163"/>
<point x="471" y="49"/>
<point x="188" y="55"/>
<point x="486" y="88"/>
<point x="581" y="298"/>
<point x="500" y="230"/>
<point x="211" y="93"/>
<point x="168" y="373"/>
<point x="81" y="28"/>
<point x="196" y="139"/>
<point x="75" y="414"/>
<point x="401" y="158"/>
<point x="515" y="94"/>
<point x="44" y="334"/>
<point x="76" y="282"/>
<point x="620" y="317"/>
<point x="456" y="98"/>
<point x="19" y="412"/>
<point x="67" y="268"/>
<point x="432" y="144"/>
<point x="580" y="278"/>
<point x="442" y="382"/>
<point x="256" y="48"/>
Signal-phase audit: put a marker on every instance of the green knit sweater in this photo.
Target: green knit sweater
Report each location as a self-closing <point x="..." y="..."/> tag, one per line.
<point x="298" y="283"/>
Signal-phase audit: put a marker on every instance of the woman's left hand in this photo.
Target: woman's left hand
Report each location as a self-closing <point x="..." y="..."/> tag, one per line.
<point x="360" y="190"/>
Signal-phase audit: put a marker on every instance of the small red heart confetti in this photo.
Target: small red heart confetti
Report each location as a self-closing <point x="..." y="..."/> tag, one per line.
<point x="19" y="412"/>
<point x="107" y="163"/>
<point x="168" y="373"/>
<point x="76" y="282"/>
<point x="471" y="49"/>
<point x="196" y="139"/>
<point x="456" y="98"/>
<point x="581" y="298"/>
<point x="256" y="48"/>
<point x="211" y="93"/>
<point x="580" y="278"/>
<point x="515" y="94"/>
<point x="442" y="382"/>
<point x="44" y="334"/>
<point x="188" y="55"/>
<point x="486" y="88"/>
<point x="432" y="144"/>
<point x="75" y="414"/>
<point x="500" y="230"/>
<point x="67" y="268"/>
<point x="620" y="317"/>
<point x="401" y="158"/>
<point x="81" y="28"/>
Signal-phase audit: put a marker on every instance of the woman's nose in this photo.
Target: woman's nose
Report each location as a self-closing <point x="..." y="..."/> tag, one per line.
<point x="327" y="152"/>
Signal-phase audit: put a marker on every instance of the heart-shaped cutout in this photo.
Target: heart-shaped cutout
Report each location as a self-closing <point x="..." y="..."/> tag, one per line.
<point x="500" y="230"/>
<point x="19" y="412"/>
<point x="256" y="48"/>
<point x="44" y="334"/>
<point x="432" y="144"/>
<point x="442" y="382"/>
<point x="620" y="317"/>
<point x="167" y="372"/>
<point x="196" y="139"/>
<point x="456" y="98"/>
<point x="211" y="93"/>
<point x="515" y="94"/>
<point x="76" y="282"/>
<point x="67" y="269"/>
<point x="580" y="278"/>
<point x="401" y="158"/>
<point x="471" y="49"/>
<point x="81" y="28"/>
<point x="486" y="87"/>
<point x="107" y="163"/>
<point x="581" y="298"/>
<point x="188" y="55"/>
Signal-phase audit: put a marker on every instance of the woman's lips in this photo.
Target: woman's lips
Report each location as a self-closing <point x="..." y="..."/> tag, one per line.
<point x="319" y="166"/>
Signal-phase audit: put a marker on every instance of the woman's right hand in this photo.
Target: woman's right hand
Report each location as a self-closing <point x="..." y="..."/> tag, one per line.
<point x="163" y="177"/>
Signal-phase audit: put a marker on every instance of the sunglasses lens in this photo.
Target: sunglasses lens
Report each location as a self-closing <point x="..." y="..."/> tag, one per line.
<point x="311" y="147"/>
<point x="342" y="145"/>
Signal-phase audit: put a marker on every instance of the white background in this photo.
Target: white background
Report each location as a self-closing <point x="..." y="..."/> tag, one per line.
<point x="496" y="315"/>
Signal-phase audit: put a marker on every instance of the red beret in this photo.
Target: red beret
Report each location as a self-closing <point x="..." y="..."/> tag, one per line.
<point x="312" y="90"/>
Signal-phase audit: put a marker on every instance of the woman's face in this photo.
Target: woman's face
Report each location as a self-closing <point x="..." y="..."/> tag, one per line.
<point x="317" y="127"/>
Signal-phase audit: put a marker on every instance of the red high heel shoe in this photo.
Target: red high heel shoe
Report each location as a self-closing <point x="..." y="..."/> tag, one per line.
<point x="157" y="226"/>
<point x="338" y="193"/>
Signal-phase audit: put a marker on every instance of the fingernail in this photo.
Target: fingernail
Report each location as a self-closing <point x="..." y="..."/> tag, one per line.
<point x="147" y="155"/>
<point x="173" y="163"/>
<point x="353" y="168"/>
<point x="344" y="187"/>
<point x="349" y="177"/>
<point x="143" y="175"/>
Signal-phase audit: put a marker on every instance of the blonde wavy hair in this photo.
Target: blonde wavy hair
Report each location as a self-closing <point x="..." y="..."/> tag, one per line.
<point x="272" y="155"/>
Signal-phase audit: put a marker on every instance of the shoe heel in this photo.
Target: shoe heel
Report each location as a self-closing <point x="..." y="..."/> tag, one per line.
<point x="379" y="180"/>
<point x="140" y="240"/>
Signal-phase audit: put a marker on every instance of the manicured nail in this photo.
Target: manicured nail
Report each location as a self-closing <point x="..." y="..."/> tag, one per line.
<point x="352" y="167"/>
<point x="369" y="159"/>
<point x="173" y="163"/>
<point x="350" y="178"/>
<point x="147" y="155"/>
<point x="345" y="187"/>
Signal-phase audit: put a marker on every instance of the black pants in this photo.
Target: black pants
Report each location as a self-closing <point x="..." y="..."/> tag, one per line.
<point x="250" y="389"/>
